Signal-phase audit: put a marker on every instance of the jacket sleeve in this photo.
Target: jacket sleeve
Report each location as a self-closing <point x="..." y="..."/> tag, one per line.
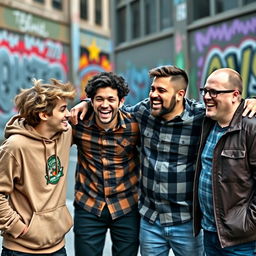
<point x="252" y="164"/>
<point x="10" y="220"/>
<point x="196" y="105"/>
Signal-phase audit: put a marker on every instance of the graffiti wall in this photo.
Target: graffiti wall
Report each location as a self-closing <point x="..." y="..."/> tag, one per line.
<point x="94" y="57"/>
<point x="134" y="64"/>
<point x="23" y="57"/>
<point x="229" y="44"/>
<point x="30" y="47"/>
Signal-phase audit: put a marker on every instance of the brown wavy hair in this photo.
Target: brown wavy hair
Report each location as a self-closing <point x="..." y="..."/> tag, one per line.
<point x="42" y="98"/>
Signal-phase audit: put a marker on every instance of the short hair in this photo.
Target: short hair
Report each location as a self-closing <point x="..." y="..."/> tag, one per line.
<point x="235" y="79"/>
<point x="42" y="98"/>
<point x="173" y="72"/>
<point x="107" y="79"/>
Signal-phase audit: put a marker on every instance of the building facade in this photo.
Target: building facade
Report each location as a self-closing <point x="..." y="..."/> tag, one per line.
<point x="197" y="35"/>
<point x="43" y="39"/>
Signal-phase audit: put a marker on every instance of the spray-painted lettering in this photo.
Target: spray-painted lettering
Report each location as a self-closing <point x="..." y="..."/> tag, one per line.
<point x="26" y="23"/>
<point x="230" y="44"/>
<point x="22" y="59"/>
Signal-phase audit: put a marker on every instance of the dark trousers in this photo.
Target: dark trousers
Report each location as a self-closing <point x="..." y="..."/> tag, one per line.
<point x="90" y="233"/>
<point x="7" y="252"/>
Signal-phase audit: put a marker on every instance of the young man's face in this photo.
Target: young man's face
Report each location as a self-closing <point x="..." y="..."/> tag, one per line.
<point x="162" y="96"/>
<point x="106" y="105"/>
<point x="58" y="121"/>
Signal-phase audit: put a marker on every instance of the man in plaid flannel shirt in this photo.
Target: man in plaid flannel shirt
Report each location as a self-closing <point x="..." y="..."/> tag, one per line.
<point x="170" y="127"/>
<point x="107" y="173"/>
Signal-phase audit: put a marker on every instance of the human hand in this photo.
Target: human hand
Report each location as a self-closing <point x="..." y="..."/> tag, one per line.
<point x="80" y="107"/>
<point x="249" y="108"/>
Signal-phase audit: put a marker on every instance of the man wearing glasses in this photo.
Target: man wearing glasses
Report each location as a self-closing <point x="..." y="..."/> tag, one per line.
<point x="225" y="178"/>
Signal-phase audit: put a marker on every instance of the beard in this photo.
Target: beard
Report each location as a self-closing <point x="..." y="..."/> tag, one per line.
<point x="164" y="110"/>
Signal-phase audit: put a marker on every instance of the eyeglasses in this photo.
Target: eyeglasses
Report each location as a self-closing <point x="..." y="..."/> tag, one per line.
<point x="213" y="93"/>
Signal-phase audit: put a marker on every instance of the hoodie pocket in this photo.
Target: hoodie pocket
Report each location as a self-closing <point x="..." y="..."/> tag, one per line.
<point x="47" y="228"/>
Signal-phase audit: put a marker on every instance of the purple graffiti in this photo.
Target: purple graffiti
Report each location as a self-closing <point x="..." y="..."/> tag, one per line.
<point x="224" y="32"/>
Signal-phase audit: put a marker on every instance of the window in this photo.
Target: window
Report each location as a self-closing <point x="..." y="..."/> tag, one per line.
<point x="98" y="12"/>
<point x="135" y="19"/>
<point x="150" y="16"/>
<point x="121" y="25"/>
<point x="201" y="9"/>
<point x="57" y="4"/>
<point x="223" y="5"/>
<point x="165" y="14"/>
<point x="84" y="9"/>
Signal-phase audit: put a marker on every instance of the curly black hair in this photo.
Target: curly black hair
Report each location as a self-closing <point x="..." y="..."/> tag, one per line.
<point x="107" y="79"/>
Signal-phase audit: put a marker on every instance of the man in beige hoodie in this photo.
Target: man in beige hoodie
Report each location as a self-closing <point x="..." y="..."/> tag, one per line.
<point x="33" y="172"/>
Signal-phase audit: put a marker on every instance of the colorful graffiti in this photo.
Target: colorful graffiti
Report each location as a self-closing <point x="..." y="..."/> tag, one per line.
<point x="92" y="61"/>
<point x="138" y="81"/>
<point x="23" y="57"/>
<point x="230" y="44"/>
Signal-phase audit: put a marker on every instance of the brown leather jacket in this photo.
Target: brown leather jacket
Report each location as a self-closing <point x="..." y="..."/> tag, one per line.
<point x="234" y="181"/>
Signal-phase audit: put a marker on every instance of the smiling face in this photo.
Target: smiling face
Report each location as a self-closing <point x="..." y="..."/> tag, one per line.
<point x="165" y="101"/>
<point x="106" y="105"/>
<point x="58" y="121"/>
<point x="222" y="107"/>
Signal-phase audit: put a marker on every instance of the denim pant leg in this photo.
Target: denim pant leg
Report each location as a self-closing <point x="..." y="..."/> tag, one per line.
<point x="213" y="247"/>
<point x="90" y="232"/>
<point x="152" y="240"/>
<point x="8" y="252"/>
<point x="124" y="233"/>
<point x="183" y="242"/>
<point x="156" y="239"/>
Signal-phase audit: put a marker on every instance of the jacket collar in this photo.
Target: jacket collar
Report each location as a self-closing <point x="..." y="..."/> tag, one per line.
<point x="236" y="122"/>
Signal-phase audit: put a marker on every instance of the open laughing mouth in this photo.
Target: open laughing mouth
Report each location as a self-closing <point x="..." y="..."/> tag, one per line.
<point x="155" y="104"/>
<point x="105" y="114"/>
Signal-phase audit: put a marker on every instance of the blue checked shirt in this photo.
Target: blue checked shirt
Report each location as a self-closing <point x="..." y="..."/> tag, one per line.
<point x="205" y="181"/>
<point x="168" y="155"/>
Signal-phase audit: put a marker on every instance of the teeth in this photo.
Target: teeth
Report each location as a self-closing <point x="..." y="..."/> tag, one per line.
<point x="105" y="112"/>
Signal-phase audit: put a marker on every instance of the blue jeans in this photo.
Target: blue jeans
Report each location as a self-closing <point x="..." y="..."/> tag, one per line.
<point x="90" y="232"/>
<point x="157" y="240"/>
<point x="7" y="252"/>
<point x="212" y="247"/>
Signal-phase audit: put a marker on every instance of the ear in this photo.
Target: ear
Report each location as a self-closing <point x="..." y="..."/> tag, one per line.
<point x="121" y="103"/>
<point x="43" y="116"/>
<point x="236" y="95"/>
<point x="180" y="95"/>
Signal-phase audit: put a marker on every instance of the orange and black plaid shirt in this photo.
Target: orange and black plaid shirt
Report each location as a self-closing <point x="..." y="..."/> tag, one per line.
<point x="107" y="171"/>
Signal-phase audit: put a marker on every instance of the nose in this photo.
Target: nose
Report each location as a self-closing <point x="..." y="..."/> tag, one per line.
<point x="207" y="95"/>
<point x="104" y="104"/>
<point x="68" y="113"/>
<point x="153" y="94"/>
